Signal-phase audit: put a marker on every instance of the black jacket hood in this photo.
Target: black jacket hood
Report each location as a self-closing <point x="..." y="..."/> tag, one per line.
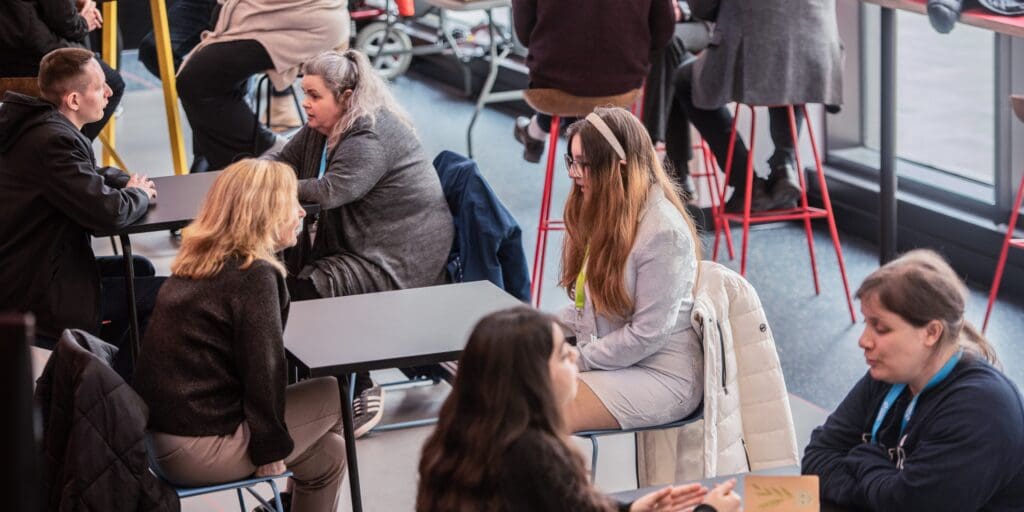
<point x="19" y="113"/>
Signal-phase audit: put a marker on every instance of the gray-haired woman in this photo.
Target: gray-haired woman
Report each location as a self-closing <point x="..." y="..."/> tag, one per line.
<point x="383" y="222"/>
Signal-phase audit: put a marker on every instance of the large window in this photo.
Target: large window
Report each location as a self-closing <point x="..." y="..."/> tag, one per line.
<point x="945" y="90"/>
<point x="957" y="142"/>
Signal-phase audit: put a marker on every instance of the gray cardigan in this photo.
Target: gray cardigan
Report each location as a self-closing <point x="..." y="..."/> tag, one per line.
<point x="384" y="222"/>
<point x="660" y="274"/>
<point x="769" y="52"/>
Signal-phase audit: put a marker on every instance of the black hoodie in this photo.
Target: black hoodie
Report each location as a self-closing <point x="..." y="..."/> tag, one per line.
<point x="52" y="195"/>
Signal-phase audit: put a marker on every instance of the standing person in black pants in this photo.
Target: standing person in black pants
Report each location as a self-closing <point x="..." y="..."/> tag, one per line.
<point x="251" y="36"/>
<point x="31" y="29"/>
<point x="769" y="52"/>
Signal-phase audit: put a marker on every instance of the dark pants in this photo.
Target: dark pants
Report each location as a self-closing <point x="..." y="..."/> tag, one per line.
<point x="116" y="83"/>
<point x="186" y="21"/>
<point x="212" y="87"/>
<point x="544" y="122"/>
<point x="716" y="125"/>
<point x="114" y="304"/>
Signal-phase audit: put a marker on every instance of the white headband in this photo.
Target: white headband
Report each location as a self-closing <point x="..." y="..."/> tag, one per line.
<point x="607" y="134"/>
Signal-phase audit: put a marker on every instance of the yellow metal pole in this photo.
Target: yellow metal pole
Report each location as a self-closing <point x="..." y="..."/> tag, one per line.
<point x="166" y="60"/>
<point x="109" y="36"/>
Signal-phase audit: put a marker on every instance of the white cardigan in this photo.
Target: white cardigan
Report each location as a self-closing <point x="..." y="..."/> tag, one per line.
<point x="747" y="421"/>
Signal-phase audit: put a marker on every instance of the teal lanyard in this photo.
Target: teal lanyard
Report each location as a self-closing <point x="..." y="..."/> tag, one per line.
<point x="897" y="389"/>
<point x="323" y="162"/>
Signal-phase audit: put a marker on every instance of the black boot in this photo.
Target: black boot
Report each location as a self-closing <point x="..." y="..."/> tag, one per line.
<point x="783" y="186"/>
<point x="759" y="198"/>
<point x="533" y="148"/>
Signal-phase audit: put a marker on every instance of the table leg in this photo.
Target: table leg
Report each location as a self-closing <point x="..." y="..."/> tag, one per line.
<point x="887" y="165"/>
<point x="129" y="284"/>
<point x="350" y="445"/>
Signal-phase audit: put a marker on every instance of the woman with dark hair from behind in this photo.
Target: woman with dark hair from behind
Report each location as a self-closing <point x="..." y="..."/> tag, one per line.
<point x="501" y="442"/>
<point x="934" y="425"/>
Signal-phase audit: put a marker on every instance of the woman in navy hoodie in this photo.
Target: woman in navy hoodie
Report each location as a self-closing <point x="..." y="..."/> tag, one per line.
<point x="933" y="425"/>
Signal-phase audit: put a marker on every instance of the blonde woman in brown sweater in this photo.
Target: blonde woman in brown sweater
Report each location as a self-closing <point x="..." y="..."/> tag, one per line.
<point x="212" y="367"/>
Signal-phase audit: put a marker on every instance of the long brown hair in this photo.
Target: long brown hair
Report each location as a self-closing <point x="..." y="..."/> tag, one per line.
<point x="240" y="218"/>
<point x="920" y="286"/>
<point x="608" y="221"/>
<point x="501" y="393"/>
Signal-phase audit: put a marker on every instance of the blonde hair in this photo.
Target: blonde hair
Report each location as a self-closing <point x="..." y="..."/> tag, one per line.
<point x="351" y="70"/>
<point x="608" y="222"/>
<point x="920" y="287"/>
<point x="240" y="218"/>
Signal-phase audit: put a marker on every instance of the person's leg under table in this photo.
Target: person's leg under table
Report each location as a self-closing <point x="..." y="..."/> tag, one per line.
<point x="116" y="311"/>
<point x="313" y="413"/>
<point x="212" y="86"/>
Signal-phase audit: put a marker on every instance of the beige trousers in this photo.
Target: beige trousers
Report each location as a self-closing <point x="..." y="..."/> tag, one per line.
<point x="313" y="416"/>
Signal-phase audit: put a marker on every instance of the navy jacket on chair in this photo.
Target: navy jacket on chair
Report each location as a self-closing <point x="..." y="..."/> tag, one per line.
<point x="488" y="242"/>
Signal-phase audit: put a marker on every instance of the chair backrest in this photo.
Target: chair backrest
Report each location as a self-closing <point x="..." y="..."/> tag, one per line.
<point x="560" y="103"/>
<point x="18" y="431"/>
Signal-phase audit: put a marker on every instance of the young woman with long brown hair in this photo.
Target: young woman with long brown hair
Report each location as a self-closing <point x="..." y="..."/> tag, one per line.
<point x="934" y="425"/>
<point x="212" y="367"/>
<point x="501" y="442"/>
<point x="629" y="262"/>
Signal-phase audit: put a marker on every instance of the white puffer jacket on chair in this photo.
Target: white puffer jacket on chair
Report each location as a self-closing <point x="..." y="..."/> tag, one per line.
<point x="748" y="424"/>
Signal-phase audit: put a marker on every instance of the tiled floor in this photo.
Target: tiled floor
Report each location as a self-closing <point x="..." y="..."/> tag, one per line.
<point x="816" y="341"/>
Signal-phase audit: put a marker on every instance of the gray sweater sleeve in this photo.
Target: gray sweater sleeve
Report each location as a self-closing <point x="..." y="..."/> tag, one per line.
<point x="355" y="167"/>
<point x="667" y="257"/>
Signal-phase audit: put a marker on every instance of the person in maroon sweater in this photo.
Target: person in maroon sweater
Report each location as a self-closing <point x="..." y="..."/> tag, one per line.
<point x="586" y="48"/>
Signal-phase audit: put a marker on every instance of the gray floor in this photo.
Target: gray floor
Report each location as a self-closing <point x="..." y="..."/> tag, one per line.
<point x="816" y="341"/>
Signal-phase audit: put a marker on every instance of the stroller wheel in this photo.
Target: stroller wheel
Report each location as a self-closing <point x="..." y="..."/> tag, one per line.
<point x="375" y="38"/>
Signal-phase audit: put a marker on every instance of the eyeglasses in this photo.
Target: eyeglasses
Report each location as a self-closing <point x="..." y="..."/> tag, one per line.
<point x="575" y="165"/>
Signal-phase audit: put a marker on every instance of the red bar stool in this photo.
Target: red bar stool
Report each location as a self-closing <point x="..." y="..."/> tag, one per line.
<point x="1017" y="102"/>
<point x="802" y="211"/>
<point x="710" y="173"/>
<point x="559" y="104"/>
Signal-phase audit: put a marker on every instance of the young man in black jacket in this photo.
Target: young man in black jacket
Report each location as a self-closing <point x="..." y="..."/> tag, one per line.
<point x="52" y="196"/>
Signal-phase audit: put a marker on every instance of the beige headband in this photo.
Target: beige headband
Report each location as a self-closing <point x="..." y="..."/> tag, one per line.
<point x="607" y="134"/>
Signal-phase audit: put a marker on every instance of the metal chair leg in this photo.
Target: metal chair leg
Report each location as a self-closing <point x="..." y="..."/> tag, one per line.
<point x="593" y="459"/>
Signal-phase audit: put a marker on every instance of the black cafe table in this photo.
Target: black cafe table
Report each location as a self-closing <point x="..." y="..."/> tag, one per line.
<point x="340" y="336"/>
<point x="710" y="483"/>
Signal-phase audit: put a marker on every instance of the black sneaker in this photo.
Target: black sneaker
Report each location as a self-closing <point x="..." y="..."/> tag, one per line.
<point x="286" y="504"/>
<point x="367" y="410"/>
<point x="533" y="148"/>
